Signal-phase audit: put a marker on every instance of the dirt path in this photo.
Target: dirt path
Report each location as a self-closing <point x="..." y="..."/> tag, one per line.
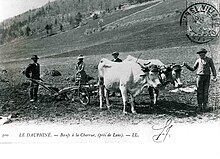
<point x="159" y="2"/>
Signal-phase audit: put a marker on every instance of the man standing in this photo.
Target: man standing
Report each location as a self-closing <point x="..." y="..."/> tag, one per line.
<point x="116" y="59"/>
<point x="204" y="66"/>
<point x="33" y="72"/>
<point x="115" y="55"/>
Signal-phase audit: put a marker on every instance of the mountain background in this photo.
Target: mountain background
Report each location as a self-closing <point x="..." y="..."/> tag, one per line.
<point x="57" y="13"/>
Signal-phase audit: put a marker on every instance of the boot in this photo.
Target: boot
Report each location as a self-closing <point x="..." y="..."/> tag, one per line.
<point x="205" y="107"/>
<point x="199" y="108"/>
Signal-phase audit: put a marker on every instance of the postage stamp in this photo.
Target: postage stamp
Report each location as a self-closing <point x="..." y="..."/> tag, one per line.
<point x="116" y="71"/>
<point x="202" y="22"/>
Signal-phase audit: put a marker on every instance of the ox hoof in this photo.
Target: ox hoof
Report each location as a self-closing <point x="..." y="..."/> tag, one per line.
<point x="153" y="103"/>
<point x="125" y="112"/>
<point x="134" y="112"/>
<point x="109" y="106"/>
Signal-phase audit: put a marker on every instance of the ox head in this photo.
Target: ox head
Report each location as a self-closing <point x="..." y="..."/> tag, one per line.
<point x="152" y="74"/>
<point x="176" y="75"/>
<point x="173" y="74"/>
<point x="102" y="65"/>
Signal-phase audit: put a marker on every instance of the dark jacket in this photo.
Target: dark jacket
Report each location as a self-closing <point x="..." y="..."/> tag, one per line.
<point x="33" y="71"/>
<point x="117" y="60"/>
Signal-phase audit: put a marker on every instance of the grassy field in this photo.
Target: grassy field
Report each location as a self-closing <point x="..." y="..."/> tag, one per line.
<point x="153" y="33"/>
<point x="74" y="41"/>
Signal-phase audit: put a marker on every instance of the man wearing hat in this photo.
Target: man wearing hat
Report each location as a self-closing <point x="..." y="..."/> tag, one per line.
<point x="204" y="66"/>
<point x="115" y="55"/>
<point x="33" y="72"/>
<point x="80" y="72"/>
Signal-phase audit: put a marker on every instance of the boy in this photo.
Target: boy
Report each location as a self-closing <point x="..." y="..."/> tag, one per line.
<point x="204" y="66"/>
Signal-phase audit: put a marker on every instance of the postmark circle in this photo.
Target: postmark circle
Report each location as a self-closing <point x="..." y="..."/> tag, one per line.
<point x="202" y="21"/>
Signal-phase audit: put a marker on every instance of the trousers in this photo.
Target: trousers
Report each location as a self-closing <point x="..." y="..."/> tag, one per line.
<point x="34" y="90"/>
<point x="203" y="82"/>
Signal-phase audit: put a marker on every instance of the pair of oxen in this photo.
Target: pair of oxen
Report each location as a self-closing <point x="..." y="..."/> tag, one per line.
<point x="132" y="75"/>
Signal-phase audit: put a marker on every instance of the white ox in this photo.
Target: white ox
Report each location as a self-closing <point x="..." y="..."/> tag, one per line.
<point x="127" y="77"/>
<point x="168" y="74"/>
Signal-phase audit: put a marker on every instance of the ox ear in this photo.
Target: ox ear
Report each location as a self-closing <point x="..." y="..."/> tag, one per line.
<point x="144" y="68"/>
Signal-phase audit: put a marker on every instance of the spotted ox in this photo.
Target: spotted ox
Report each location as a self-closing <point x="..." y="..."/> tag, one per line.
<point x="168" y="74"/>
<point x="127" y="77"/>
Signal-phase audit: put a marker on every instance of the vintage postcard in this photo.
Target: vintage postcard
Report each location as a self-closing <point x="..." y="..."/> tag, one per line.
<point x="116" y="71"/>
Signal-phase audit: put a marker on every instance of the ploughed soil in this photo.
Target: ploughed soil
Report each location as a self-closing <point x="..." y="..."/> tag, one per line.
<point x="180" y="106"/>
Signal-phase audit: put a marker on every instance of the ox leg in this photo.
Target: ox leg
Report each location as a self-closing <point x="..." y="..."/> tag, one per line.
<point x="124" y="98"/>
<point x="107" y="98"/>
<point x="132" y="104"/>
<point x="151" y="93"/>
<point x="101" y="95"/>
<point x="156" y="94"/>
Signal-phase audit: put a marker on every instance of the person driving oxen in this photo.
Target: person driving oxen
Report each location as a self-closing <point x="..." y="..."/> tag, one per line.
<point x="116" y="58"/>
<point x="115" y="55"/>
<point x="80" y="72"/>
<point x="33" y="72"/>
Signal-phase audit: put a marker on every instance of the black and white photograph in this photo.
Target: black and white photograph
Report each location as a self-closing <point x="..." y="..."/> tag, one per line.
<point x="111" y="72"/>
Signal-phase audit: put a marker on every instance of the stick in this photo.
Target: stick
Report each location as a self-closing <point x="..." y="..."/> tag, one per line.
<point x="40" y="83"/>
<point x="138" y="57"/>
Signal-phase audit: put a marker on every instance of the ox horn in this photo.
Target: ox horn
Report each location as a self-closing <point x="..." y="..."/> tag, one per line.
<point x="144" y="68"/>
<point x="141" y="65"/>
<point x="182" y="65"/>
<point x="147" y="63"/>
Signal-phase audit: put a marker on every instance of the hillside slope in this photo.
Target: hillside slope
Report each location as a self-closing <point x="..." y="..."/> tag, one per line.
<point x="155" y="25"/>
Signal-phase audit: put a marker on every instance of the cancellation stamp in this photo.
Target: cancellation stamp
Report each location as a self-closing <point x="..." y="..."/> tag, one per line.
<point x="201" y="21"/>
